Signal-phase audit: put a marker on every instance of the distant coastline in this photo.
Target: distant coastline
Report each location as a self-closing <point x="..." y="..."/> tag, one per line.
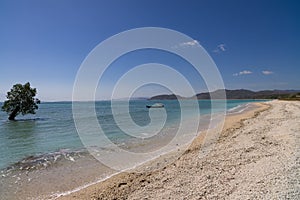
<point x="234" y="94"/>
<point x="292" y="94"/>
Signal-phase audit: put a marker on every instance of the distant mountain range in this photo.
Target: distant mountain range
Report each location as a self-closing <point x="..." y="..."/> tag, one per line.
<point x="233" y="94"/>
<point x="131" y="98"/>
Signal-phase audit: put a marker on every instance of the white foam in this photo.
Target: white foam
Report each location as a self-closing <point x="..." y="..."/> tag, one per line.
<point x="57" y="195"/>
<point x="246" y="106"/>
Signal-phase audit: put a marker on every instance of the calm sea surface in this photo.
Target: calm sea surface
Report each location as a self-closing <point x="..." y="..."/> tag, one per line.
<point x="52" y="129"/>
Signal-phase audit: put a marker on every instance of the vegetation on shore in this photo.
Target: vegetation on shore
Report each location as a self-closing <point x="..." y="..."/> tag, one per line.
<point x="291" y="97"/>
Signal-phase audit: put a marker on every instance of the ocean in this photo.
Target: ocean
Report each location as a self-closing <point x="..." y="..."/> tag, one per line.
<point x="52" y="129"/>
<point x="46" y="145"/>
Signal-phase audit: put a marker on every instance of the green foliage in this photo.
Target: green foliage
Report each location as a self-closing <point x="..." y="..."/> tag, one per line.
<point x="20" y="100"/>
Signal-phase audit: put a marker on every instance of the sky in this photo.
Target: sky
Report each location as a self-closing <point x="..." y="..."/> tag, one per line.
<point x="255" y="44"/>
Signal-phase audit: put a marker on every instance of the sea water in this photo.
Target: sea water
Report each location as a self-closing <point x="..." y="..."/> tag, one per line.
<point x="52" y="129"/>
<point x="42" y="156"/>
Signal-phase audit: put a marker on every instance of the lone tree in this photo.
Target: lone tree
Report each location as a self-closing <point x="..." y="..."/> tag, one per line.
<point x="20" y="100"/>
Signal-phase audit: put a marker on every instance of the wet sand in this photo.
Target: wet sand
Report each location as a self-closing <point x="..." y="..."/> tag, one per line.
<point x="255" y="157"/>
<point x="45" y="178"/>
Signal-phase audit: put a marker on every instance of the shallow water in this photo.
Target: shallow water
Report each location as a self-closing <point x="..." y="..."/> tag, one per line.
<point x="46" y="146"/>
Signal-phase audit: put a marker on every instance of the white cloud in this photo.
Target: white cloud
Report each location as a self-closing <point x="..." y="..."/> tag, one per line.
<point x="242" y="73"/>
<point x="189" y="43"/>
<point x="266" y="72"/>
<point x="220" y="48"/>
<point x="245" y="72"/>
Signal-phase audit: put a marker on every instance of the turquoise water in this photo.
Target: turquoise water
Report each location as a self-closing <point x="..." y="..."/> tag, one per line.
<point x="52" y="129"/>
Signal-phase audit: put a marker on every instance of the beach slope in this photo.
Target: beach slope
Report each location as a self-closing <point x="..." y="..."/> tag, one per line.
<point x="255" y="157"/>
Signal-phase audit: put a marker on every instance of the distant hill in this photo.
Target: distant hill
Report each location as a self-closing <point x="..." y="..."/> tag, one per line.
<point x="132" y="98"/>
<point x="234" y="94"/>
<point x="167" y="97"/>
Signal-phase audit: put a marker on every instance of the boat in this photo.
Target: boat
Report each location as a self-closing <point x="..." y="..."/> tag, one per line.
<point x="156" y="105"/>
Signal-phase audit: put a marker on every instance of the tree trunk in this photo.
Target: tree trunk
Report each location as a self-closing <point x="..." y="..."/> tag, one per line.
<point x="14" y="113"/>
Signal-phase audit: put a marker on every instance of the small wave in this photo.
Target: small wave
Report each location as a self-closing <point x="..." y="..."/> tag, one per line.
<point x="46" y="160"/>
<point x="27" y="120"/>
<point x="235" y="108"/>
<point x="238" y="109"/>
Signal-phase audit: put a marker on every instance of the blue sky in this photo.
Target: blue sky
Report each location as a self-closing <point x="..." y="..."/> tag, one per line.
<point x="255" y="44"/>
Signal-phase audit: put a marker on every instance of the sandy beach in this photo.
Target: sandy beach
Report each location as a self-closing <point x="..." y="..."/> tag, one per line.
<point x="117" y="100"/>
<point x="255" y="157"/>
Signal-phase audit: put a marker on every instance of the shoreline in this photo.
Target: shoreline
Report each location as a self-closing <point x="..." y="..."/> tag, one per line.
<point x="44" y="175"/>
<point x="81" y="176"/>
<point x="232" y="121"/>
<point x="63" y="152"/>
